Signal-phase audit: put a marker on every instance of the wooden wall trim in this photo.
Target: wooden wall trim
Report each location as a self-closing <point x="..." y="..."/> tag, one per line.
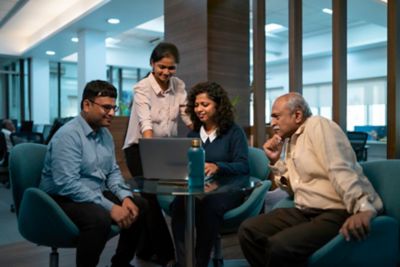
<point x="296" y="46"/>
<point x="339" y="63"/>
<point x="259" y="71"/>
<point x="393" y="80"/>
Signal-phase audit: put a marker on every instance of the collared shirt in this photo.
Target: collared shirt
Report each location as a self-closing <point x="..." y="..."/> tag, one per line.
<point x="157" y="110"/>
<point x="7" y="134"/>
<point x="80" y="164"/>
<point x="322" y="170"/>
<point x="204" y="135"/>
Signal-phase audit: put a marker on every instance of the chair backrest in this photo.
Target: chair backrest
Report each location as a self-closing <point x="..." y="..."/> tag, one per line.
<point x="385" y="178"/>
<point x="358" y="140"/>
<point x="258" y="162"/>
<point x="3" y="150"/>
<point x="26" y="164"/>
<point x="58" y="123"/>
<point x="26" y="137"/>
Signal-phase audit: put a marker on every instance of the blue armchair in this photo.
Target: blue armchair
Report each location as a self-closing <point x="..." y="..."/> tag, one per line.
<point x="40" y="218"/>
<point x="251" y="207"/>
<point x="381" y="248"/>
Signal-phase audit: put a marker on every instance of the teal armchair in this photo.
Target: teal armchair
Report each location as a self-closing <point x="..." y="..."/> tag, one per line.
<point x="381" y="248"/>
<point x="40" y="219"/>
<point x="253" y="205"/>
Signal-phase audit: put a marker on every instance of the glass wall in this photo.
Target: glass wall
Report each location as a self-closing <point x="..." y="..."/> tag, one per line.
<point x="64" y="88"/>
<point x="277" y="40"/>
<point x="367" y="68"/>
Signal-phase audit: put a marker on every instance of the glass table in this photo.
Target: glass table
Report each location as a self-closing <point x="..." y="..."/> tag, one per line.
<point x="151" y="186"/>
<point x="139" y="185"/>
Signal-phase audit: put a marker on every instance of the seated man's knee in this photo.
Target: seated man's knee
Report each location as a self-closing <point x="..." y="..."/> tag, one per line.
<point x="246" y="229"/>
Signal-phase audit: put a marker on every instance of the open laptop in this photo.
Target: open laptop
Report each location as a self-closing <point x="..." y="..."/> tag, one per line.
<point x="165" y="159"/>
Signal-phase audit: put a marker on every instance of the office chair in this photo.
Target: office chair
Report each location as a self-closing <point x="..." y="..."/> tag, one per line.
<point x="252" y="206"/>
<point x="26" y="137"/>
<point x="381" y="248"/>
<point x="4" y="161"/>
<point x="358" y="141"/>
<point x="40" y="219"/>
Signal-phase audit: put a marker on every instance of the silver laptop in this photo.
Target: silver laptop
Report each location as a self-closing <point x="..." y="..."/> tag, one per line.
<point x="165" y="158"/>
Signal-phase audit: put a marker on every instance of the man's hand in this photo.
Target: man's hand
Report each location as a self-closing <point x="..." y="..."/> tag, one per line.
<point x="210" y="169"/>
<point x="132" y="208"/>
<point x="273" y="148"/>
<point x="357" y="226"/>
<point x="121" y="216"/>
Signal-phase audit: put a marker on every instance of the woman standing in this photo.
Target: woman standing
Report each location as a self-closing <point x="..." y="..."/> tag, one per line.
<point x="226" y="151"/>
<point x="158" y="101"/>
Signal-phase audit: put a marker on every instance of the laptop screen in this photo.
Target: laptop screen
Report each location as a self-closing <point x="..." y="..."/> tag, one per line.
<point x="165" y="158"/>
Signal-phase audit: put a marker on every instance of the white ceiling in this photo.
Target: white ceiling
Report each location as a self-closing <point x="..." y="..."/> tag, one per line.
<point x="135" y="12"/>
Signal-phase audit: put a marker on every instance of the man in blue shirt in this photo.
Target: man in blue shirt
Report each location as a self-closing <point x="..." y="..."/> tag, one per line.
<point x="80" y="172"/>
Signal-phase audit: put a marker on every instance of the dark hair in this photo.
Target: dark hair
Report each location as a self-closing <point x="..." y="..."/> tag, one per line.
<point x="98" y="88"/>
<point x="224" y="116"/>
<point x="164" y="50"/>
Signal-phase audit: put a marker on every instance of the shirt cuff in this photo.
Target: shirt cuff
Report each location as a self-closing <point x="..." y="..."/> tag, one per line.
<point x="122" y="194"/>
<point x="107" y="204"/>
<point x="366" y="206"/>
<point x="145" y="127"/>
<point x="279" y="168"/>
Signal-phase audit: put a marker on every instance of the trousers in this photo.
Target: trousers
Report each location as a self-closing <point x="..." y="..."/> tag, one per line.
<point x="94" y="223"/>
<point x="288" y="236"/>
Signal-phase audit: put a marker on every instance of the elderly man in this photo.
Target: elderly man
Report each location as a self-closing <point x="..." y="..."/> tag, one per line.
<point x="81" y="174"/>
<point x="319" y="169"/>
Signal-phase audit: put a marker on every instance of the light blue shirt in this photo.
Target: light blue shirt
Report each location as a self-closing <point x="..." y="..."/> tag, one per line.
<point x="80" y="164"/>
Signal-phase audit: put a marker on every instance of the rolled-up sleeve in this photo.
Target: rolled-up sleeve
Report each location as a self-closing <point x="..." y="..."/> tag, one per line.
<point x="344" y="172"/>
<point x="142" y="106"/>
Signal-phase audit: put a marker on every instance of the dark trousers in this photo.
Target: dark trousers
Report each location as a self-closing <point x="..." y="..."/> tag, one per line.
<point x="94" y="223"/>
<point x="288" y="236"/>
<point x="156" y="242"/>
<point x="209" y="217"/>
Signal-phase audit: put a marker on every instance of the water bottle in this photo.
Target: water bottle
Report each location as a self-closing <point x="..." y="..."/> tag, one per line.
<point x="196" y="159"/>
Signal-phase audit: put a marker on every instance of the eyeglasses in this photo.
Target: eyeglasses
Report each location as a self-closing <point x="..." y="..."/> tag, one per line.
<point x="106" y="108"/>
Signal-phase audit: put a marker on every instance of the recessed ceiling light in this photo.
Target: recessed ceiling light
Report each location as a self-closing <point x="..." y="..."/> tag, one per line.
<point x="75" y="39"/>
<point x="327" y="11"/>
<point x="385" y="1"/>
<point x="113" y="21"/>
<point x="273" y="27"/>
<point x="50" y="53"/>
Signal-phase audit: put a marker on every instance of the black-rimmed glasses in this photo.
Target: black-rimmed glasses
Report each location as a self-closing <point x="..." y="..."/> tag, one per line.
<point x="106" y="108"/>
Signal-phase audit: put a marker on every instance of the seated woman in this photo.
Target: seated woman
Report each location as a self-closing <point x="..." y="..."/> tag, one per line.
<point x="226" y="153"/>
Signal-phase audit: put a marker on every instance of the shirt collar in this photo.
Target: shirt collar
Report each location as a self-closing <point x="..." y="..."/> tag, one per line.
<point x="204" y="136"/>
<point x="156" y="87"/>
<point x="87" y="130"/>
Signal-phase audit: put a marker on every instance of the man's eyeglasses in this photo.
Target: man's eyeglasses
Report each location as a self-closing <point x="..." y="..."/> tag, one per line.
<point x="106" y="108"/>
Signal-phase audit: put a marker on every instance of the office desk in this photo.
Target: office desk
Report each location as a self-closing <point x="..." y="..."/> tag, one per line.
<point x="140" y="185"/>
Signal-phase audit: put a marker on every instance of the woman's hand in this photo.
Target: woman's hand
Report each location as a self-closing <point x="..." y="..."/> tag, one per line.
<point x="210" y="169"/>
<point x="208" y="187"/>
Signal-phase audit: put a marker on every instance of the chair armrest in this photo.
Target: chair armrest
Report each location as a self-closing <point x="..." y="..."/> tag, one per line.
<point x="42" y="221"/>
<point x="165" y="202"/>
<point x="251" y="206"/>
<point x="379" y="249"/>
<point x="284" y="203"/>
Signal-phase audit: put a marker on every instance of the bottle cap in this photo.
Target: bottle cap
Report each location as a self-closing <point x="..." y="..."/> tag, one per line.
<point x="196" y="143"/>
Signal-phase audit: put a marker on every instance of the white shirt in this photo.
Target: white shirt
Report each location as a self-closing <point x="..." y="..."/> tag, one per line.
<point x="7" y="134"/>
<point x="204" y="136"/>
<point x="157" y="110"/>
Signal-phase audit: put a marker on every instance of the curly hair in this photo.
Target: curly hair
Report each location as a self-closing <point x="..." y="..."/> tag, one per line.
<point x="224" y="115"/>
